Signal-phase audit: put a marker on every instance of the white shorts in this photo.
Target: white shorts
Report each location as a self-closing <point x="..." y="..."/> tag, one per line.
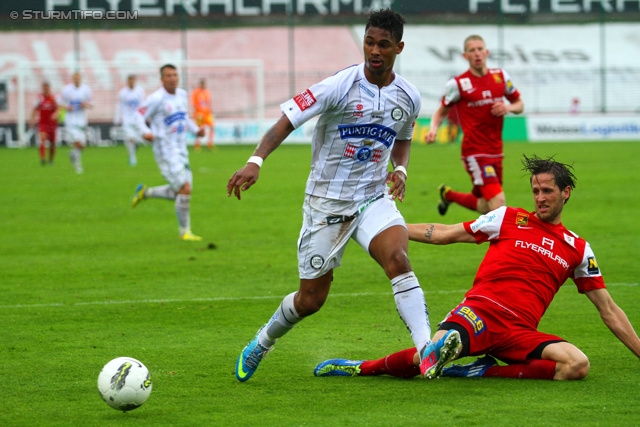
<point x="327" y="228"/>
<point x="131" y="133"/>
<point x="177" y="173"/>
<point x="75" y="134"/>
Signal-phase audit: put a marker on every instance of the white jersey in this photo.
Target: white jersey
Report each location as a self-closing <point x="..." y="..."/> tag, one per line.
<point x="357" y="127"/>
<point x="72" y="98"/>
<point x="169" y="122"/>
<point x="129" y="101"/>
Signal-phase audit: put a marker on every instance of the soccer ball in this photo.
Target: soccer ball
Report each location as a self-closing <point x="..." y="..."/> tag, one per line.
<point x="124" y="383"/>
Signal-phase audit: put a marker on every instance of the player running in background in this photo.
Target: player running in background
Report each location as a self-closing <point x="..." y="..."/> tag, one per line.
<point x="203" y="114"/>
<point x="45" y="113"/>
<point x="165" y="110"/>
<point x="530" y="256"/>
<point x="367" y="113"/>
<point x="76" y="100"/>
<point x="130" y="99"/>
<point x="478" y="94"/>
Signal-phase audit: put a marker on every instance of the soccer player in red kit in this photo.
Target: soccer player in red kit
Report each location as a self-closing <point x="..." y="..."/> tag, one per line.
<point x="479" y="96"/>
<point x="46" y="111"/>
<point x="530" y="256"/>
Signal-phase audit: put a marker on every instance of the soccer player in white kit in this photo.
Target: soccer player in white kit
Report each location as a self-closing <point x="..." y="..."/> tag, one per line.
<point x="76" y="100"/>
<point x="166" y="112"/>
<point x="130" y="99"/>
<point x="367" y="114"/>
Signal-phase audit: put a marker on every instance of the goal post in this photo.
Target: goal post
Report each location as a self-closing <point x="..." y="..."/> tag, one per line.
<point x="237" y="86"/>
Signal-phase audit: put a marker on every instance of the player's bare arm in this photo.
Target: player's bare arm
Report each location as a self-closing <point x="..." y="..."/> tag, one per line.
<point x="500" y="109"/>
<point x="436" y="120"/>
<point x="615" y="319"/>
<point x="398" y="177"/>
<point x="246" y="176"/>
<point x="439" y="234"/>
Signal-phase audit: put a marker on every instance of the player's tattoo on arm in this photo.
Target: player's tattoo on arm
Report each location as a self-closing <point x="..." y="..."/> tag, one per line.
<point x="429" y="232"/>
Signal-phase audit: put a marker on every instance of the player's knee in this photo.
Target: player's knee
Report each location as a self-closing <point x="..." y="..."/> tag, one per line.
<point x="397" y="263"/>
<point x="576" y="369"/>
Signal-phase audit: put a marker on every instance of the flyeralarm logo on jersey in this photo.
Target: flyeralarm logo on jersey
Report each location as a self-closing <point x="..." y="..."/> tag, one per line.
<point x="305" y="100"/>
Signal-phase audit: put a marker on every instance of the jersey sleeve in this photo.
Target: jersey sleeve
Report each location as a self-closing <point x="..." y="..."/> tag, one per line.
<point x="406" y="132"/>
<point x="510" y="91"/>
<point x="587" y="276"/>
<point x="118" y="116"/>
<point x="486" y="227"/>
<point x="316" y="100"/>
<point x="451" y="93"/>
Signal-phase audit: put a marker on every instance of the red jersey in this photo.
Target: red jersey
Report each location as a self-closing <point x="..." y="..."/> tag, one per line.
<point x="46" y="106"/>
<point x="527" y="262"/>
<point x="474" y="96"/>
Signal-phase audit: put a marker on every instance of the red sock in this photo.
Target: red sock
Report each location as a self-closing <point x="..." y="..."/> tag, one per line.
<point x="535" y="369"/>
<point x="398" y="364"/>
<point x="42" y="151"/>
<point x="467" y="200"/>
<point x="52" y="151"/>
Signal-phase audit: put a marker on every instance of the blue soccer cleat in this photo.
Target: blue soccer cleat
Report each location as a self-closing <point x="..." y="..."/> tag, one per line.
<point x="250" y="358"/>
<point x="439" y="353"/>
<point x="139" y="195"/>
<point x="475" y="369"/>
<point x="338" y="368"/>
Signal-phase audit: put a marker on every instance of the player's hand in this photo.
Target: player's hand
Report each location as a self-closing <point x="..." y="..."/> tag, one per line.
<point x="499" y="109"/>
<point x="430" y="137"/>
<point x="200" y="132"/>
<point x="243" y="179"/>
<point x="148" y="137"/>
<point x="398" y="180"/>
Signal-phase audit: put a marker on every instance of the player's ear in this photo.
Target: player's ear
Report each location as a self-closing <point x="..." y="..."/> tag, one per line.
<point x="566" y="194"/>
<point x="399" y="48"/>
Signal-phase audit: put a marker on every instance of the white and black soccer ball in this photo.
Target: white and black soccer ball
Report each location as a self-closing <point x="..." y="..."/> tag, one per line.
<point x="124" y="383"/>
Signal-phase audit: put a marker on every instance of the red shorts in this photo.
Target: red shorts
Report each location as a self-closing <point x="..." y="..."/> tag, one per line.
<point x="486" y="175"/>
<point x="495" y="331"/>
<point x="50" y="133"/>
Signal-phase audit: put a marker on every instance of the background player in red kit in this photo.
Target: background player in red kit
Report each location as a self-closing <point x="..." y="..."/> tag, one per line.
<point x="479" y="96"/>
<point x="46" y="113"/>
<point x="531" y="254"/>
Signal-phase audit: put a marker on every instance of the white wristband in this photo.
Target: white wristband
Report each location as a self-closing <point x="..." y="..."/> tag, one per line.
<point x="257" y="160"/>
<point x="401" y="169"/>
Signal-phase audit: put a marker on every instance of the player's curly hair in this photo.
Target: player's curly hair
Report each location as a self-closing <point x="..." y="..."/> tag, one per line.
<point x="561" y="172"/>
<point x="389" y="20"/>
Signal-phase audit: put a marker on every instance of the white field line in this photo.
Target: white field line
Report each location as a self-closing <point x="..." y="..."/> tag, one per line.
<point x="263" y="297"/>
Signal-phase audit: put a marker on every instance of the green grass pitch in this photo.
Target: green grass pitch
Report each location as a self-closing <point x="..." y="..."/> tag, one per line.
<point x="85" y="278"/>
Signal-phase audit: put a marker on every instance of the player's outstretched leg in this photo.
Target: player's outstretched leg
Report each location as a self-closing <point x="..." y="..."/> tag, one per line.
<point x="250" y="358"/>
<point x="338" y="368"/>
<point x="475" y="369"/>
<point x="439" y="353"/>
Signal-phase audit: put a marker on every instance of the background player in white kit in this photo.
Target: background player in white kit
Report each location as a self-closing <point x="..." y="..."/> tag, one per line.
<point x="130" y="99"/>
<point x="76" y="100"/>
<point x="165" y="110"/>
<point x="367" y="113"/>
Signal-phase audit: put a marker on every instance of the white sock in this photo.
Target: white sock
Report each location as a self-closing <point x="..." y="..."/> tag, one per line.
<point x="412" y="308"/>
<point x="182" y="211"/>
<point x="131" y="149"/>
<point x="77" y="157"/>
<point x="282" y="321"/>
<point x="160" y="192"/>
